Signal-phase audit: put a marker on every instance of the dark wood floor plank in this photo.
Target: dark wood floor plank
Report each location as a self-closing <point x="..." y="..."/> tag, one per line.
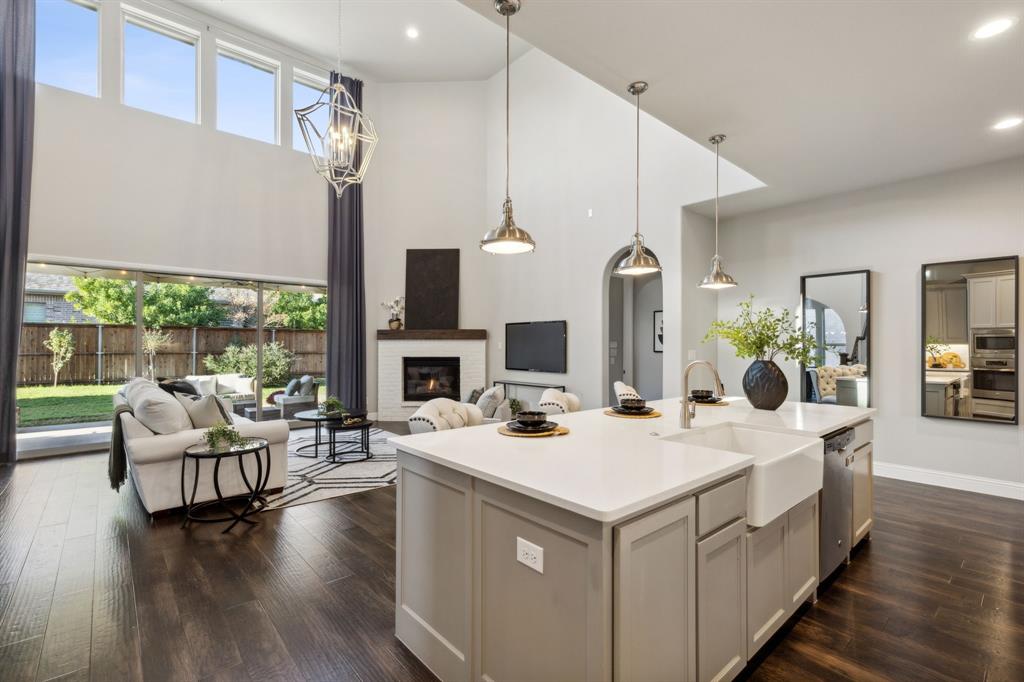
<point x="19" y="661"/>
<point x="29" y="605"/>
<point x="68" y="638"/>
<point x="264" y="654"/>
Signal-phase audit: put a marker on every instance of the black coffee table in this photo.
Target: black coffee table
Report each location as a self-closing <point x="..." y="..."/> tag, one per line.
<point x="350" y="447"/>
<point x="201" y="451"/>
<point x="318" y="419"/>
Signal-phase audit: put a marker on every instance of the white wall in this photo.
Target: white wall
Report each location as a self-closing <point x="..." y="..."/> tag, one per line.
<point x="572" y="152"/>
<point x="892" y="230"/>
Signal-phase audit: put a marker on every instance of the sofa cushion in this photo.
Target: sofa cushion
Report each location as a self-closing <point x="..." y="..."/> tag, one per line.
<point x="475" y="395"/>
<point x="159" y="411"/>
<point x="233" y="384"/>
<point x="490" y="400"/>
<point x="306" y="385"/>
<point x="173" y="387"/>
<point x="204" y="411"/>
<point x="204" y="384"/>
<point x="292" y="387"/>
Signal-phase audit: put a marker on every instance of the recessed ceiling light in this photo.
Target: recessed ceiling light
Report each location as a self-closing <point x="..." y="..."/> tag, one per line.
<point x="994" y="28"/>
<point x="412" y="32"/>
<point x="1007" y="123"/>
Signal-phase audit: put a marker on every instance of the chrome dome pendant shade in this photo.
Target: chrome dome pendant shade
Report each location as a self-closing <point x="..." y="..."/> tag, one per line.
<point x="507" y="237"/>
<point x="717" y="278"/>
<point x="638" y="259"/>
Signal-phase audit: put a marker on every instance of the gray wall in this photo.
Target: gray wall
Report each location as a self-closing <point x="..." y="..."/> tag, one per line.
<point x="647" y="365"/>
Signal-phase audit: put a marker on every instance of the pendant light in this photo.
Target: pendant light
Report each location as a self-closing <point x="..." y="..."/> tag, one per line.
<point x="507" y="237"/>
<point x="638" y="260"/>
<point x="717" y="278"/>
<point x="341" y="153"/>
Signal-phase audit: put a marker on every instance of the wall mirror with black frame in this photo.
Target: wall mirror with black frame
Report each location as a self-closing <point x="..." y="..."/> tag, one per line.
<point x="835" y="310"/>
<point x="970" y="311"/>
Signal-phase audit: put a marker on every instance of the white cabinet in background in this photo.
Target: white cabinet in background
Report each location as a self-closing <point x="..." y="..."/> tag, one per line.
<point x="992" y="299"/>
<point x="946" y="313"/>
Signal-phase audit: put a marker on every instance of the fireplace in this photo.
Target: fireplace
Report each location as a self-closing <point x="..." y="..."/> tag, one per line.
<point x="426" y="378"/>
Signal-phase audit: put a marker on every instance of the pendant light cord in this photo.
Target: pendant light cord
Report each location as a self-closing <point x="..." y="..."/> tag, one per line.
<point x="508" y="68"/>
<point x="339" y="38"/>
<point x="716" y="197"/>
<point x="637" y="233"/>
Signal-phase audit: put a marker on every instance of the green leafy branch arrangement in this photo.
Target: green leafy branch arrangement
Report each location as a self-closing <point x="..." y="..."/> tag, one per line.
<point x="222" y="436"/>
<point x="934" y="347"/>
<point x="764" y="334"/>
<point x="331" y="406"/>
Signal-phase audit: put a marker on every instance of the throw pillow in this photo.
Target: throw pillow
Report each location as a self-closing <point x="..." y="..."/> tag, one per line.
<point x="203" y="384"/>
<point x="205" y="411"/>
<point x="490" y="400"/>
<point x="158" y="411"/>
<point x="173" y="387"/>
<point x="292" y="387"/>
<point x="306" y="385"/>
<point x="475" y="395"/>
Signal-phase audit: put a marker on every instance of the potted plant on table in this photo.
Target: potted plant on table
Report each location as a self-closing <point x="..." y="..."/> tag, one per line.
<point x="764" y="335"/>
<point x="332" y="407"/>
<point x="935" y="348"/>
<point x="395" y="308"/>
<point x="221" y="437"/>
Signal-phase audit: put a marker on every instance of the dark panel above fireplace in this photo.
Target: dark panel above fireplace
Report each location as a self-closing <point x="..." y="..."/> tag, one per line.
<point x="428" y="378"/>
<point x="432" y="289"/>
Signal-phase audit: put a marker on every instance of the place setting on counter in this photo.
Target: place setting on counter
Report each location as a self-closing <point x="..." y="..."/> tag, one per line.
<point x="632" y="408"/>
<point x="532" y="424"/>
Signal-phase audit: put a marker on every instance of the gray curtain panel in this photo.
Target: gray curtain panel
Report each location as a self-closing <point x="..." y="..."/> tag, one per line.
<point x="346" y="305"/>
<point x="17" y="109"/>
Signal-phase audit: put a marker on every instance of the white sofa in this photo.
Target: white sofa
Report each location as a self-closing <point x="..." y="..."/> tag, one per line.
<point x="230" y="386"/>
<point x="154" y="459"/>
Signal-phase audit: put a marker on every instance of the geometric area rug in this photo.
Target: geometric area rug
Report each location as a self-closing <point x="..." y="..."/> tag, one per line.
<point x="310" y="480"/>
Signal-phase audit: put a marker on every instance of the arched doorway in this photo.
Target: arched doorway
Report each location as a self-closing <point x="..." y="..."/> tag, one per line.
<point x="633" y="345"/>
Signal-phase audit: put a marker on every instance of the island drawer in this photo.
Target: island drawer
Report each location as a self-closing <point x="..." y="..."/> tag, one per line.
<point x="863" y="434"/>
<point x="721" y="504"/>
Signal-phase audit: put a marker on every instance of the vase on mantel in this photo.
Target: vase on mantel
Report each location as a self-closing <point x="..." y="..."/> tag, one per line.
<point x="765" y="385"/>
<point x="395" y="323"/>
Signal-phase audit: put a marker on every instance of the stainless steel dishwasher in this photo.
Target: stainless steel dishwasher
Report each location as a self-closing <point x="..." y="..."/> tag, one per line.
<point x="836" y="501"/>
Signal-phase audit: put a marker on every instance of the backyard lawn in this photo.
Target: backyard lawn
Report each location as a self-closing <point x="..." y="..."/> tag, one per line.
<point x="43" y="405"/>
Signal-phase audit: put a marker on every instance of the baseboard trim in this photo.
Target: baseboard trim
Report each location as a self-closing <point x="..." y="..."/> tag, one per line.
<point x="946" y="479"/>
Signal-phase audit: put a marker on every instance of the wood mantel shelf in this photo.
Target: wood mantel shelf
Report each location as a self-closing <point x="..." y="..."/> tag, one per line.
<point x="431" y="334"/>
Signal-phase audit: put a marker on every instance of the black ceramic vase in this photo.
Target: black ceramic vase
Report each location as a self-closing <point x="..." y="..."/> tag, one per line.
<point x="765" y="385"/>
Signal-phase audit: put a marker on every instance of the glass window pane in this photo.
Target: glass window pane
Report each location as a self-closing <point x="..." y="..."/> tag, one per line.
<point x="67" y="46"/>
<point x="159" y="72"/>
<point x="246" y="99"/>
<point x="302" y="96"/>
<point x="295" y="320"/>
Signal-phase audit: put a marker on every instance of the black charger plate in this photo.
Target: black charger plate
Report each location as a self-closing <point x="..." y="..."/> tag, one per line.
<point x="543" y="427"/>
<point x="625" y="410"/>
<point x="706" y="401"/>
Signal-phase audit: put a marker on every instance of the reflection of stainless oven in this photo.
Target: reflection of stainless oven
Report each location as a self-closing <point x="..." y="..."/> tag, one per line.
<point x="993" y="343"/>
<point x="995" y="379"/>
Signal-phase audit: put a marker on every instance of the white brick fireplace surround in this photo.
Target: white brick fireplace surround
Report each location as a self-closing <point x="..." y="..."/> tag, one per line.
<point x="469" y="345"/>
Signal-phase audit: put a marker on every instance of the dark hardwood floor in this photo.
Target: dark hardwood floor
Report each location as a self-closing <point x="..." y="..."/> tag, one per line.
<point x="90" y="588"/>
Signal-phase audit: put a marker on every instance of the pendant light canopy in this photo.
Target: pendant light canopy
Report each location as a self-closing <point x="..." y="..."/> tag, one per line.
<point x="507" y="237"/>
<point x="717" y="278"/>
<point x="341" y="154"/>
<point x="638" y="259"/>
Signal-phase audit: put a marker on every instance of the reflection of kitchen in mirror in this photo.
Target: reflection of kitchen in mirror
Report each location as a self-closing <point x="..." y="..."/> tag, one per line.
<point x="969" y="335"/>
<point x="835" y="311"/>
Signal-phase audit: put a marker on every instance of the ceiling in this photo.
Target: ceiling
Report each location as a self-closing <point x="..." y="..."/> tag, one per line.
<point x="453" y="44"/>
<point x="816" y="98"/>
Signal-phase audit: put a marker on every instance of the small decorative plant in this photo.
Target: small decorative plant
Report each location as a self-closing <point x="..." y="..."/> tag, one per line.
<point x="222" y="437"/>
<point x="764" y="334"/>
<point x="395" y="307"/>
<point x="935" y="348"/>
<point x="331" y="406"/>
<point x="515" y="406"/>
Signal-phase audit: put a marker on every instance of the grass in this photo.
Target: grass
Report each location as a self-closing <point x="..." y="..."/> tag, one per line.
<point x="45" y="405"/>
<point x="42" y="405"/>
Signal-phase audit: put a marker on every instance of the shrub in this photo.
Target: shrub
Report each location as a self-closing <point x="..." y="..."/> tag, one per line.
<point x="236" y="359"/>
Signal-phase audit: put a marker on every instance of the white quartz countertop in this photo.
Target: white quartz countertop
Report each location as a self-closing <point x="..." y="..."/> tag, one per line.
<point x="608" y="468"/>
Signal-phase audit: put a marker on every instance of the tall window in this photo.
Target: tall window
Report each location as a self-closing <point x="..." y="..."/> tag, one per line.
<point x="306" y="91"/>
<point x="160" y="69"/>
<point x="67" y="45"/>
<point x="246" y="96"/>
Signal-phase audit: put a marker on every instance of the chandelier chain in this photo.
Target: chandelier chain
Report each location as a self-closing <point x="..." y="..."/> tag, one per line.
<point x="716" y="197"/>
<point x="339" y="37"/>
<point x="508" y="95"/>
<point x="638" y="163"/>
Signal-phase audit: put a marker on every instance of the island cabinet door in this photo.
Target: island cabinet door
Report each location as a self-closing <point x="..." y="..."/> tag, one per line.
<point x="802" y="561"/>
<point x="722" y="603"/>
<point x="654" y="584"/>
<point x="863" y="494"/>
<point x="767" y="588"/>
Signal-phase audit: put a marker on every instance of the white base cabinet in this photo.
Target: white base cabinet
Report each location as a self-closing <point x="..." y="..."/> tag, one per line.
<point x="863" y="493"/>
<point x="722" y="603"/>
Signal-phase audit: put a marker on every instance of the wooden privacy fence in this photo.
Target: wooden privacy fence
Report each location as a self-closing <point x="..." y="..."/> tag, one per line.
<point x="105" y="353"/>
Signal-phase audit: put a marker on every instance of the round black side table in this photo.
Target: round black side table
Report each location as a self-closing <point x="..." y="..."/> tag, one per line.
<point x="319" y="419"/>
<point x="350" y="447"/>
<point x="254" y="501"/>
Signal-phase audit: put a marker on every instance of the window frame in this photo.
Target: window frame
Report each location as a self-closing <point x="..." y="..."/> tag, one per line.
<point x="310" y="80"/>
<point x="174" y="31"/>
<point x="256" y="60"/>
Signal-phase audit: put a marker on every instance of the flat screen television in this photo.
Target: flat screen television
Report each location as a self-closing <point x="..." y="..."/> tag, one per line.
<point x="535" y="346"/>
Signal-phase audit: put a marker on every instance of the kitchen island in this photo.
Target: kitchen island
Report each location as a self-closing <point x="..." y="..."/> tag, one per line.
<point x="619" y="551"/>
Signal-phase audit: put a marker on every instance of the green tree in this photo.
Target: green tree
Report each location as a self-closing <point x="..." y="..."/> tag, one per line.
<point x="154" y="341"/>
<point x="238" y="359"/>
<point x="297" y="310"/>
<point x="112" y="301"/>
<point x="61" y="345"/>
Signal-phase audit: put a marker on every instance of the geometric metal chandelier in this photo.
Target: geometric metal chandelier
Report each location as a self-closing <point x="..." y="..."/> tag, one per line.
<point x="342" y="152"/>
<point x="717" y="278"/>
<point x="638" y="259"/>
<point x="507" y="237"/>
